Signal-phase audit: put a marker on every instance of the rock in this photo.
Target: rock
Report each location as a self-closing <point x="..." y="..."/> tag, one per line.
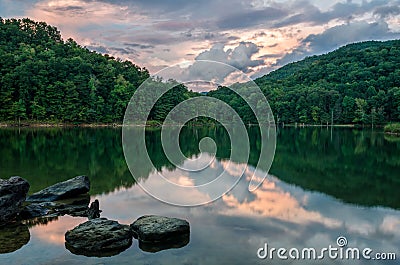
<point x="173" y="242"/>
<point x="152" y="228"/>
<point x="12" y="194"/>
<point x="74" y="207"/>
<point x="98" y="237"/>
<point x="36" y="210"/>
<point x="13" y="237"/>
<point x="94" y="210"/>
<point x="63" y="190"/>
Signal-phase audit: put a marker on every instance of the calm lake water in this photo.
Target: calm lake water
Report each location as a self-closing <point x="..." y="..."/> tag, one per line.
<point x="323" y="184"/>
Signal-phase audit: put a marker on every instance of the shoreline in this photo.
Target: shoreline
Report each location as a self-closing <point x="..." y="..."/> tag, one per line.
<point x="323" y="125"/>
<point x="58" y="125"/>
<point x="119" y="125"/>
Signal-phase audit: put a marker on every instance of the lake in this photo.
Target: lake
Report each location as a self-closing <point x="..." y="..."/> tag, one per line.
<point x="323" y="184"/>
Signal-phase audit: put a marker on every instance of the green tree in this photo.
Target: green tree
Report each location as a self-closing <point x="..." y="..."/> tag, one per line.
<point x="19" y="110"/>
<point x="349" y="106"/>
<point x="360" y="113"/>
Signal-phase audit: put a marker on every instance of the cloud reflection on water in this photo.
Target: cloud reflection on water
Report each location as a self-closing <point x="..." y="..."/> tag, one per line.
<point x="277" y="212"/>
<point x="230" y="230"/>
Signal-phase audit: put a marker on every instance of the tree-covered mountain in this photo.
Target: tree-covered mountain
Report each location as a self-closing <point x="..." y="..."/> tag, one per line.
<point x="358" y="83"/>
<point x="43" y="78"/>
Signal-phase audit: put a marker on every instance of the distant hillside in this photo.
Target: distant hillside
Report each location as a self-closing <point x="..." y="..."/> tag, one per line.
<point x="43" y="78"/>
<point x="46" y="79"/>
<point x="358" y="83"/>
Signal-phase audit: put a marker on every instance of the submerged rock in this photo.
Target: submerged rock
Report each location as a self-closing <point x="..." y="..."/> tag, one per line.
<point x="12" y="194"/>
<point x="160" y="229"/>
<point x="13" y="237"/>
<point x="63" y="190"/>
<point x="99" y="237"/>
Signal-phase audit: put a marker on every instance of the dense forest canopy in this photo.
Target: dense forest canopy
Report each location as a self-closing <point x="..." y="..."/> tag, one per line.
<point x="358" y="83"/>
<point x="46" y="79"/>
<point x="43" y="78"/>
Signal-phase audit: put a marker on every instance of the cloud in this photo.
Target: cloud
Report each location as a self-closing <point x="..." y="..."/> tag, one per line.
<point x="141" y="39"/>
<point x="218" y="65"/>
<point x="98" y="48"/>
<point x="267" y="56"/>
<point x="159" y="5"/>
<point x="301" y="12"/>
<point x="138" y="45"/>
<point x="251" y="18"/>
<point x="173" y="25"/>
<point x="337" y="36"/>
<point x="201" y="35"/>
<point x="72" y="9"/>
<point x="305" y="12"/>
<point x="387" y="11"/>
<point x="240" y="57"/>
<point x="62" y="11"/>
<point x="125" y="52"/>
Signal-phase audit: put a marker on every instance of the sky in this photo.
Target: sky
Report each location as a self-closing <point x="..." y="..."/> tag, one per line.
<point x="255" y="36"/>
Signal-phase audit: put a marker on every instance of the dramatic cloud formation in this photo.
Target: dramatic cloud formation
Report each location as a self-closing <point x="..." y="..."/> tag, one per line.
<point x="338" y="36"/>
<point x="239" y="57"/>
<point x="255" y="36"/>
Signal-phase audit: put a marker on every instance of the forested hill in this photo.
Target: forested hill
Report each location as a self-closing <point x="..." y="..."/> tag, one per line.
<point x="358" y="83"/>
<point x="43" y="78"/>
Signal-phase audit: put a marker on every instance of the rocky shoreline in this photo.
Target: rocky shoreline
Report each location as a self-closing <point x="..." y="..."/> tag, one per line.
<point x="97" y="237"/>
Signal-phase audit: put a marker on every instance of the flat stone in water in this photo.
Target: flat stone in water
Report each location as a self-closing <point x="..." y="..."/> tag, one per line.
<point x="152" y="228"/>
<point x="99" y="237"/>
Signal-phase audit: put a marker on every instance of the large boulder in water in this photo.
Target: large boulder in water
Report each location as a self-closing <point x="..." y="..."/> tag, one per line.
<point x="99" y="237"/>
<point x="153" y="228"/>
<point x="12" y="194"/>
<point x="63" y="190"/>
